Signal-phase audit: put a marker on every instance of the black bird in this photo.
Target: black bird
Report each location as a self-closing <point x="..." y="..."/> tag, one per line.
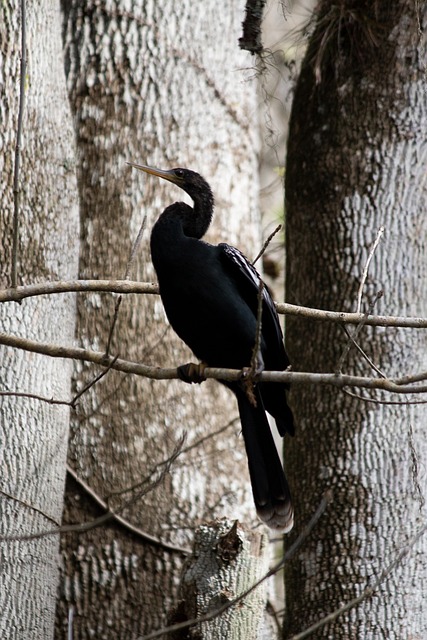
<point x="210" y="295"/>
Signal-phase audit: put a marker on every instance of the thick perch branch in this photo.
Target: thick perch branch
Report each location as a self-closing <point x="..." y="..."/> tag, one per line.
<point x="405" y="384"/>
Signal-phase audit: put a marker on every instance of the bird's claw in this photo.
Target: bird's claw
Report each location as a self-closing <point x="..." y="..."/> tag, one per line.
<point x="249" y="374"/>
<point x="257" y="367"/>
<point x="250" y="377"/>
<point x="192" y="373"/>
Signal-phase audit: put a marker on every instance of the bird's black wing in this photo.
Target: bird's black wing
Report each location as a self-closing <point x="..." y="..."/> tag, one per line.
<point x="248" y="281"/>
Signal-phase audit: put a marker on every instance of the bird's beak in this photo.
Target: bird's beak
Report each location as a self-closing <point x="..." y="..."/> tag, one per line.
<point x="166" y="175"/>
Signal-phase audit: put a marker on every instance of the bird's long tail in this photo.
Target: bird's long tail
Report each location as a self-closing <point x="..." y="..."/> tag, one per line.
<point x="270" y="488"/>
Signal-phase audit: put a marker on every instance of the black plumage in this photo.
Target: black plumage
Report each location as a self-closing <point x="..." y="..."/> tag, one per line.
<point x="210" y="295"/>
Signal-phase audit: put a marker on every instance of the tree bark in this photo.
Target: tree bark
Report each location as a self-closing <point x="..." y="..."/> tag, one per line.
<point x="34" y="434"/>
<point x="156" y="84"/>
<point x="356" y="161"/>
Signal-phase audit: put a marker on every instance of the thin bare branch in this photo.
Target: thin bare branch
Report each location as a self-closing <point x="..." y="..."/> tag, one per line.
<point x="135" y="248"/>
<point x="129" y="266"/>
<point x="362" y="353"/>
<point x="34" y="396"/>
<point x="267" y="242"/>
<point x="365" y="270"/>
<point x="131" y="287"/>
<point x="93" y="382"/>
<point x="27" y="505"/>
<point x="210" y="435"/>
<point x="113" y="324"/>
<point x="122" y="521"/>
<point x="72" y="286"/>
<point x="110" y="515"/>
<point x="350" y="318"/>
<point x="415" y="469"/>
<point x="257" y="364"/>
<point x="148" y="479"/>
<point x="363" y="398"/>
<point x="356" y="332"/>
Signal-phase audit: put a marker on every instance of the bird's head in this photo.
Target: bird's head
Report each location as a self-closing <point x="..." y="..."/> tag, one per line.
<point x="190" y="181"/>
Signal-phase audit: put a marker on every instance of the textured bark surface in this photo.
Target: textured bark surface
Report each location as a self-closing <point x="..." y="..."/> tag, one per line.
<point x="356" y="160"/>
<point x="33" y="434"/>
<point x="226" y="561"/>
<point x="162" y="83"/>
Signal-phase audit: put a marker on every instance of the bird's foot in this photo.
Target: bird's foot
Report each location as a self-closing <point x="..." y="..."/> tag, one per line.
<point x="248" y="373"/>
<point x="256" y="368"/>
<point x="250" y="376"/>
<point x="192" y="373"/>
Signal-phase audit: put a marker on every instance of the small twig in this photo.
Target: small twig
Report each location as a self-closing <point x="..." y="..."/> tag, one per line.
<point x="135" y="248"/>
<point x="402" y="403"/>
<point x="109" y="515"/>
<point x="415" y="469"/>
<point x="358" y="329"/>
<point x="266" y="243"/>
<point x="211" y="434"/>
<point x="363" y="353"/>
<point x="274" y="613"/>
<point x="365" y="270"/>
<point x="256" y="351"/>
<point x="148" y="478"/>
<point x="113" y="325"/>
<point x="122" y="521"/>
<point x="34" y="396"/>
<point x="129" y="266"/>
<point x="27" y="505"/>
<point x="16" y="192"/>
<point x="94" y="381"/>
<point x="149" y="349"/>
<point x="257" y="364"/>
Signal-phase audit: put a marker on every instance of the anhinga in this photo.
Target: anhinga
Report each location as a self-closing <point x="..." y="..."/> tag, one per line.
<point x="210" y="295"/>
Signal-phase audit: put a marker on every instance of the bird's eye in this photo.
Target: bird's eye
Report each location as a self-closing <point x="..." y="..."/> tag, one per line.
<point x="179" y="173"/>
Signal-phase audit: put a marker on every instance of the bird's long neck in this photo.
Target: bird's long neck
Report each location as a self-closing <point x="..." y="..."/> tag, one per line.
<point x="179" y="223"/>
<point x="198" y="221"/>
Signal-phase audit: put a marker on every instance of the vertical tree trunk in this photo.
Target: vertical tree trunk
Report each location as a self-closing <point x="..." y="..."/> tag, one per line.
<point x="157" y="84"/>
<point x="356" y="161"/>
<point x="34" y="434"/>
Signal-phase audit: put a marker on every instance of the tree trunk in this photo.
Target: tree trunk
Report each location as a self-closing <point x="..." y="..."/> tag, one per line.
<point x="157" y="84"/>
<point x="34" y="434"/>
<point x="356" y="161"/>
